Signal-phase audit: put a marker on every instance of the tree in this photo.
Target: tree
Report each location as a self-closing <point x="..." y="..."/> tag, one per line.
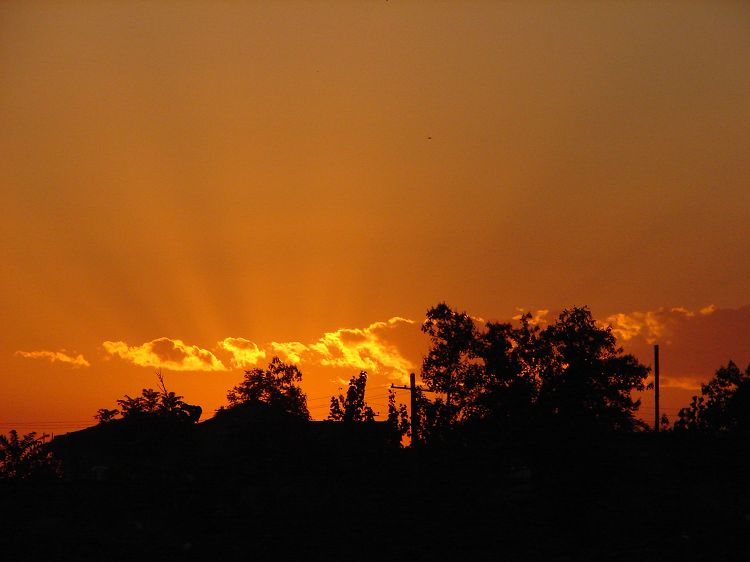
<point x="431" y="418"/>
<point x="104" y="415"/>
<point x="145" y="404"/>
<point x="398" y="417"/>
<point x="485" y="373"/>
<point x="25" y="457"/>
<point x="585" y="379"/>
<point x="509" y="385"/>
<point x="572" y="371"/>
<point x="450" y="365"/>
<point x="170" y="404"/>
<point x="724" y="403"/>
<point x="151" y="403"/>
<point x="276" y="387"/>
<point x="353" y="407"/>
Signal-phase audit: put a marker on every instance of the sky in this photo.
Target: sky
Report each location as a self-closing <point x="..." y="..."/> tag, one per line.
<point x="198" y="186"/>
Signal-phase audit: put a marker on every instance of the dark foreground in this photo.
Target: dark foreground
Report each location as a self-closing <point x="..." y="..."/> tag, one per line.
<point x="291" y="493"/>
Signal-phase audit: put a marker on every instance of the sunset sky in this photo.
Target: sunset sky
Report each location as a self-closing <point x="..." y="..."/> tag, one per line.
<point x="199" y="186"/>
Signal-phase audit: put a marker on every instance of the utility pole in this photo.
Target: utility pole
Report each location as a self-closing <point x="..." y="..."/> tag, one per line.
<point x="412" y="388"/>
<point x="656" y="388"/>
<point x="413" y="397"/>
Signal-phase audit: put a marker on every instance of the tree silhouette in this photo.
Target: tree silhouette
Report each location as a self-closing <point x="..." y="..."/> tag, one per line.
<point x="724" y="403"/>
<point x="431" y="418"/>
<point x="276" y="387"/>
<point x="572" y="372"/>
<point x="104" y="415"/>
<point x="489" y="373"/>
<point x="26" y="456"/>
<point x="170" y="404"/>
<point x="398" y="417"/>
<point x="162" y="403"/>
<point x="352" y="407"/>
<point x="586" y="381"/>
<point x="146" y="403"/>
<point x="450" y="366"/>
<point x="509" y="384"/>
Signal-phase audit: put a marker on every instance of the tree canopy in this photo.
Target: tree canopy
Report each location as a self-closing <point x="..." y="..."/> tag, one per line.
<point x="352" y="407"/>
<point x="571" y="371"/>
<point x="162" y="403"/>
<point x="724" y="403"/>
<point x="586" y="380"/>
<point x="25" y="456"/>
<point x="276" y="386"/>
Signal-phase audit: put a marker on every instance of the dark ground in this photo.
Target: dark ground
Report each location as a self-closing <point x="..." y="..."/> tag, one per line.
<point x="315" y="491"/>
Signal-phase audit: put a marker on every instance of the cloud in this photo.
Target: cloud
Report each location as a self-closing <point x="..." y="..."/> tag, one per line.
<point x="655" y="325"/>
<point x="56" y="356"/>
<point x="691" y="384"/>
<point x="372" y="349"/>
<point x="292" y="350"/>
<point x="244" y="352"/>
<point x="365" y="348"/>
<point x="386" y="348"/>
<point x="166" y="353"/>
<point x="693" y="343"/>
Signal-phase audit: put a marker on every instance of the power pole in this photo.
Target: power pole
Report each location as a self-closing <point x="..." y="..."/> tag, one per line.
<point x="656" y="388"/>
<point x="412" y="388"/>
<point x="413" y="397"/>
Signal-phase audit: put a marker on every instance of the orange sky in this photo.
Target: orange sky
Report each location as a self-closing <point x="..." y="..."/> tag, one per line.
<point x="277" y="171"/>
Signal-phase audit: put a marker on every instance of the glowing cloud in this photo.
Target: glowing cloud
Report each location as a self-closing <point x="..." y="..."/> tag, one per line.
<point x="56" y="356"/>
<point x="166" y="353"/>
<point x="694" y="385"/>
<point x="293" y="350"/>
<point x="653" y="325"/>
<point x="366" y="349"/>
<point x="244" y="352"/>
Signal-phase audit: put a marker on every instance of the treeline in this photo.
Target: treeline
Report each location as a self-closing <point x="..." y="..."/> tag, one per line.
<point x="570" y="375"/>
<point x="723" y="404"/>
<point x="478" y="378"/>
